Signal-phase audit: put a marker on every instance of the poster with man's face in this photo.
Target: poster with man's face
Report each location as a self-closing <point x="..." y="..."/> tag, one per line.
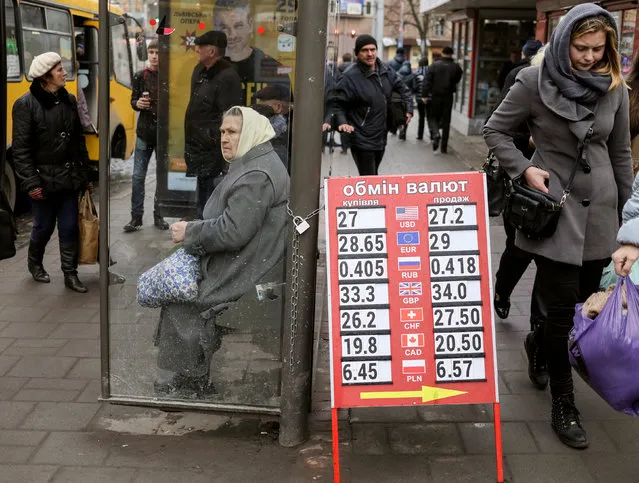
<point x="261" y="41"/>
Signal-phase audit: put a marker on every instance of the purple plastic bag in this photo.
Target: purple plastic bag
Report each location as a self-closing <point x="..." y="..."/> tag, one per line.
<point x="605" y="351"/>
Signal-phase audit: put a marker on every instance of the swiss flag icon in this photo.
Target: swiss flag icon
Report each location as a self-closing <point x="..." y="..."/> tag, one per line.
<point x="412" y="340"/>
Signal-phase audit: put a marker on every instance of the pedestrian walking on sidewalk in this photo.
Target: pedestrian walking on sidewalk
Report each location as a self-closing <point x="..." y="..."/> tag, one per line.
<point x="439" y="89"/>
<point x="51" y="160"/>
<point x="514" y="261"/>
<point x="423" y="108"/>
<point x="240" y="240"/>
<point x="144" y="99"/>
<point x="215" y="88"/>
<point x="575" y="99"/>
<point x="361" y="101"/>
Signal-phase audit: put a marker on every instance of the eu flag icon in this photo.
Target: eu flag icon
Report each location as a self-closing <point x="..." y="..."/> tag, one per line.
<point x="408" y="238"/>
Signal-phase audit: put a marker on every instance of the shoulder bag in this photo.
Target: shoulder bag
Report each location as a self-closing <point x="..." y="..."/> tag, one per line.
<point x="496" y="183"/>
<point x="534" y="213"/>
<point x="7" y="229"/>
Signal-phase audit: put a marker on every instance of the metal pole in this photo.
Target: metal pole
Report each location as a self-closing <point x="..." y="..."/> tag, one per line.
<point x="305" y="190"/>
<point x="400" y="41"/>
<point x="3" y="90"/>
<point x="104" y="106"/>
<point x="380" y="22"/>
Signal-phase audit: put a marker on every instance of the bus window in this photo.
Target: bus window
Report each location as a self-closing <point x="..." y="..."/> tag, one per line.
<point x="86" y="41"/>
<point x="121" y="60"/>
<point x="47" y="30"/>
<point x="13" y="59"/>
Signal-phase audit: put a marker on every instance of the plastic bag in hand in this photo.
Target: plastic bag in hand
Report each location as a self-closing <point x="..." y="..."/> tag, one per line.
<point x="605" y="351"/>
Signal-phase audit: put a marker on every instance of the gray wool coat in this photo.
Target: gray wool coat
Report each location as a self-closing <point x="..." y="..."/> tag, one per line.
<point x="243" y="233"/>
<point x="590" y="218"/>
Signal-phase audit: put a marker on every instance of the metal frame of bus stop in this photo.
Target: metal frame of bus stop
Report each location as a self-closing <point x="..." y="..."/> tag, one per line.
<point x="305" y="190"/>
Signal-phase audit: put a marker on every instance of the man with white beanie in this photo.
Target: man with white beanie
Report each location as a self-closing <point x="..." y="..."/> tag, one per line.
<point x="51" y="159"/>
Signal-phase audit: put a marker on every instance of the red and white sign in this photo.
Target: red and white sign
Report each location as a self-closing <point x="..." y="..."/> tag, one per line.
<point x="410" y="295"/>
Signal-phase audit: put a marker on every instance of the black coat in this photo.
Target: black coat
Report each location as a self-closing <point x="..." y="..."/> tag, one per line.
<point x="361" y="99"/>
<point x="49" y="150"/>
<point x="213" y="92"/>
<point x="146" y="80"/>
<point x="442" y="78"/>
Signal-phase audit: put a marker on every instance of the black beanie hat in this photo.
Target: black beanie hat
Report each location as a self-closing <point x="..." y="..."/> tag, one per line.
<point x="363" y="40"/>
<point x="531" y="48"/>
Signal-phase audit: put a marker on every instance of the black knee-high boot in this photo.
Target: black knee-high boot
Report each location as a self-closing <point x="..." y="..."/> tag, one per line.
<point x="69" y="262"/>
<point x="34" y="261"/>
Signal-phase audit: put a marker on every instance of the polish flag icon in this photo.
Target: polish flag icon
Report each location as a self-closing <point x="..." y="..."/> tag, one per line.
<point x="412" y="340"/>
<point x="411" y="315"/>
<point x="415" y="366"/>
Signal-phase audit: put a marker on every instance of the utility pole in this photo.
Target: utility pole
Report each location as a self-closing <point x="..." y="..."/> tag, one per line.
<point x="379" y="23"/>
<point x="400" y="40"/>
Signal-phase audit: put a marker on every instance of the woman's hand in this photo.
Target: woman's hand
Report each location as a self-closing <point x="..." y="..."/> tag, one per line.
<point x="178" y="231"/>
<point x="536" y="178"/>
<point x="624" y="258"/>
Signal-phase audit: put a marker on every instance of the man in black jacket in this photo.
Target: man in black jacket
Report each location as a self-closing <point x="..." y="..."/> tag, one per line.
<point x="440" y="86"/>
<point x="144" y="99"/>
<point x="215" y="88"/>
<point x="361" y="101"/>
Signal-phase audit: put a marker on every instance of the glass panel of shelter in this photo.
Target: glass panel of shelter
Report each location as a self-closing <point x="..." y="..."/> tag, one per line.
<point x="223" y="348"/>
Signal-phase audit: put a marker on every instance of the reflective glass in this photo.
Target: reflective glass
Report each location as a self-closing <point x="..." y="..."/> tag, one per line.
<point x="227" y="208"/>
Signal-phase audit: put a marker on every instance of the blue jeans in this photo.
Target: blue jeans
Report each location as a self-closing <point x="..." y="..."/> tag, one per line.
<point x="143" y="152"/>
<point x="61" y="207"/>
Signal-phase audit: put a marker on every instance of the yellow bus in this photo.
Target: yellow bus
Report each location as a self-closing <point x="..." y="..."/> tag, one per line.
<point x="70" y="27"/>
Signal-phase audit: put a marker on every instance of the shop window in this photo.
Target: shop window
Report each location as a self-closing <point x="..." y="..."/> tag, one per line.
<point x="13" y="58"/>
<point x="627" y="39"/>
<point x="47" y="30"/>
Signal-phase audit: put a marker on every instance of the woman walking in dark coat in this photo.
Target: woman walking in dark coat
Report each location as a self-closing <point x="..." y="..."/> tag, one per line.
<point x="50" y="157"/>
<point x="576" y="97"/>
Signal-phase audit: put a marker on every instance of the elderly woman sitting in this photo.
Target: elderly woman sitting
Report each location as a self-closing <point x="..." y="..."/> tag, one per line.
<point x="240" y="239"/>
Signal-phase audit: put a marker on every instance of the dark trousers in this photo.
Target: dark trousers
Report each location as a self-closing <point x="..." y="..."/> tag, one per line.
<point x="441" y="110"/>
<point x="560" y="287"/>
<point x="204" y="189"/>
<point x="513" y="264"/>
<point x="59" y="207"/>
<point x="143" y="152"/>
<point x="367" y="161"/>
<point x="423" y="110"/>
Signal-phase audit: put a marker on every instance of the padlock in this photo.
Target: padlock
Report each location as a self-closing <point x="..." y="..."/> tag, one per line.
<point x="301" y="225"/>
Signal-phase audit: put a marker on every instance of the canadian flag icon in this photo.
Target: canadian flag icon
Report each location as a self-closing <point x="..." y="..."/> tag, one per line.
<point x="412" y="340"/>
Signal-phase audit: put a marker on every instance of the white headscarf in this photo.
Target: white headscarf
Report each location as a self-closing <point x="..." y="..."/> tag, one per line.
<point x="256" y="130"/>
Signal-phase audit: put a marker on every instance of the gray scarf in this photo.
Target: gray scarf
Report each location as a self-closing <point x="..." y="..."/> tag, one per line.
<point x="583" y="87"/>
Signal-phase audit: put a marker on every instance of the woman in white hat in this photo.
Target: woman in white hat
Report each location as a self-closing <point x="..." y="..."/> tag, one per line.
<point x="51" y="158"/>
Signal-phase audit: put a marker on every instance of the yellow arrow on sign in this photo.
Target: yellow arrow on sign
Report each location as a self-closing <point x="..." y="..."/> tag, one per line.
<point x="427" y="394"/>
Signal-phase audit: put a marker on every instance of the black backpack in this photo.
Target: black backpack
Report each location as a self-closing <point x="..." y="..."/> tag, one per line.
<point x="396" y="112"/>
<point x="8" y="231"/>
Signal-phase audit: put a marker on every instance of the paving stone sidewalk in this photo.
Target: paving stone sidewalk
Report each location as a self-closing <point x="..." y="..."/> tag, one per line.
<point x="54" y="429"/>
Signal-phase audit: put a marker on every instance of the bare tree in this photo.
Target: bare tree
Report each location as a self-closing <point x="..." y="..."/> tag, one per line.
<point x="412" y="16"/>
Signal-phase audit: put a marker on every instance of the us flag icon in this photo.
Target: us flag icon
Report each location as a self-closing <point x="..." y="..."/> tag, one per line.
<point x="412" y="340"/>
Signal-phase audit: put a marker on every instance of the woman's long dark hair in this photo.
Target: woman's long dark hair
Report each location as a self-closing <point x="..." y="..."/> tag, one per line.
<point x="633" y="83"/>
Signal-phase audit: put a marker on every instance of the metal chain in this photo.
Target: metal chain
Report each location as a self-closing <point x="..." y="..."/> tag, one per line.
<point x="295" y="271"/>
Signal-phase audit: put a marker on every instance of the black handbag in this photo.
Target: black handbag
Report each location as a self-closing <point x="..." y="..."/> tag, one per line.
<point x="534" y="213"/>
<point x="8" y="231"/>
<point x="496" y="184"/>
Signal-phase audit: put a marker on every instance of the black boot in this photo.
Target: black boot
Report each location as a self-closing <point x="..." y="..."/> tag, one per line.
<point x="134" y="225"/>
<point x="565" y="422"/>
<point x="69" y="263"/>
<point x="537" y="369"/>
<point x="34" y="262"/>
<point x="159" y="222"/>
<point x="436" y="143"/>
<point x="502" y="307"/>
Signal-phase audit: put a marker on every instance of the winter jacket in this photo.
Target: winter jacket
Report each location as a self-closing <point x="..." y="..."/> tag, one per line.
<point x="629" y="231"/>
<point x="602" y="184"/>
<point x="442" y="79"/>
<point x="345" y="66"/>
<point x="49" y="150"/>
<point x="361" y="99"/>
<point x="244" y="230"/>
<point x="146" y="81"/>
<point x="396" y="62"/>
<point x="213" y="92"/>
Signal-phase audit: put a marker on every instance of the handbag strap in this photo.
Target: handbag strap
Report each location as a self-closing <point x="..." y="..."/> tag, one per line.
<point x="581" y="159"/>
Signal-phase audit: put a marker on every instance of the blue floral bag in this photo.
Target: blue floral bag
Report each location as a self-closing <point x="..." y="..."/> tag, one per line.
<point x="174" y="280"/>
